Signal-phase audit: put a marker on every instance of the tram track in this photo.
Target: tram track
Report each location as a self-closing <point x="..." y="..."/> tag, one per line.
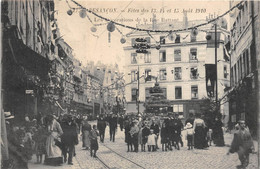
<point x="106" y="165"/>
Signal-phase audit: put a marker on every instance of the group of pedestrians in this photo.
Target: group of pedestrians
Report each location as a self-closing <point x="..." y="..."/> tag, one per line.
<point x="56" y="137"/>
<point x="196" y="131"/>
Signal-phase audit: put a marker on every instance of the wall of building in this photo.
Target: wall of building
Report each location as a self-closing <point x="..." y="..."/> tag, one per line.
<point x="204" y="55"/>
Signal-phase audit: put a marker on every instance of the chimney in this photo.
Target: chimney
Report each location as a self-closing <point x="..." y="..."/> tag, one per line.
<point x="185" y="20"/>
<point x="154" y="22"/>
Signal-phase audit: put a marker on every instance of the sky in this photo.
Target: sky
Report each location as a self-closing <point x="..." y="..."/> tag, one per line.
<point x="96" y="46"/>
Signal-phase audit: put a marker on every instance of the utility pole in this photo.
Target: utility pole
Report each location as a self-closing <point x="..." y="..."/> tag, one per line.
<point x="216" y="62"/>
<point x="138" y="88"/>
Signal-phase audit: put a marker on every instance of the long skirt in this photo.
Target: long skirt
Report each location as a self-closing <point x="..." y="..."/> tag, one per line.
<point x="200" y="141"/>
<point x="53" y="152"/>
<point x="85" y="139"/>
<point x="218" y="137"/>
<point x="94" y="144"/>
<point x="140" y="139"/>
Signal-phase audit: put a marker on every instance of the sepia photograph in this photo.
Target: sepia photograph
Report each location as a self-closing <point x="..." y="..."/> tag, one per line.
<point x="133" y="84"/>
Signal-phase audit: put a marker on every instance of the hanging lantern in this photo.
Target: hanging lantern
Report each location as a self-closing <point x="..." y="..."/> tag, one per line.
<point x="122" y="40"/>
<point x="194" y="32"/>
<point x="240" y="6"/>
<point x="82" y="13"/>
<point x="158" y="47"/>
<point x="223" y="23"/>
<point x="70" y="12"/>
<point x="172" y="37"/>
<point x="93" y="29"/>
<point x="208" y="36"/>
<point x="111" y="27"/>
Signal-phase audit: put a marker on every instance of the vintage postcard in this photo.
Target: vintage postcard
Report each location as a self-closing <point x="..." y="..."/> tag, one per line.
<point x="130" y="84"/>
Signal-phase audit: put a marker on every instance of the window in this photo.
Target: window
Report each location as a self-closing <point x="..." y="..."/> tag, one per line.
<point x="134" y="94"/>
<point x="194" y="73"/>
<point x="162" y="40"/>
<point x="238" y="70"/>
<point x="147" y="57"/>
<point x="192" y="38"/>
<point x="177" y="55"/>
<point x="235" y="74"/>
<point x="133" y="58"/>
<point x="193" y="54"/>
<point x="148" y="75"/>
<point x="148" y="40"/>
<point x="164" y="91"/>
<point x="178" y="39"/>
<point x="241" y="66"/>
<point x="133" y="41"/>
<point x="232" y="78"/>
<point x="178" y="93"/>
<point x="194" y="92"/>
<point x="178" y="108"/>
<point x="163" y="74"/>
<point x="133" y="76"/>
<point x="177" y="73"/>
<point x="147" y="93"/>
<point x="247" y="63"/>
<point x="162" y="56"/>
<point x="225" y="72"/>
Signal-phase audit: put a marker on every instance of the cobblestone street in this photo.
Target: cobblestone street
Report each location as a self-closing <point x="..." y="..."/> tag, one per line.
<point x="110" y="153"/>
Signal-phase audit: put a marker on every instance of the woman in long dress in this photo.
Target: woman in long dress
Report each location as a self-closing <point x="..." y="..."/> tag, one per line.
<point x="218" y="136"/>
<point x="86" y="128"/>
<point x="53" y="152"/>
<point x="200" y="141"/>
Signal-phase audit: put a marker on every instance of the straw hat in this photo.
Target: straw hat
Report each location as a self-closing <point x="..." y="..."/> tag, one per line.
<point x="188" y="125"/>
<point x="8" y="115"/>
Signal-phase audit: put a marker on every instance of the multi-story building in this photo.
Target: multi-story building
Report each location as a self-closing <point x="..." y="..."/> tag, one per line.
<point x="178" y="64"/>
<point x="113" y="93"/>
<point x="244" y="93"/>
<point x="26" y="26"/>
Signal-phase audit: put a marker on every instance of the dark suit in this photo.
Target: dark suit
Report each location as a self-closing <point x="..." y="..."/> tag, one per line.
<point x="112" y="127"/>
<point x="101" y="126"/>
<point x="69" y="139"/>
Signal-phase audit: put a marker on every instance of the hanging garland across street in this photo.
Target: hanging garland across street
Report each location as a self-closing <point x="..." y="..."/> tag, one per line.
<point x="84" y="10"/>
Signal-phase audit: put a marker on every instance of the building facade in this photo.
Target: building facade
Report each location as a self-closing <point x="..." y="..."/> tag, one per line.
<point x="244" y="93"/>
<point x="178" y="65"/>
<point x="27" y="35"/>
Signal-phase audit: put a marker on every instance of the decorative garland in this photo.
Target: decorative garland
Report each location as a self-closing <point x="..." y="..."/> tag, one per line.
<point x="83" y="10"/>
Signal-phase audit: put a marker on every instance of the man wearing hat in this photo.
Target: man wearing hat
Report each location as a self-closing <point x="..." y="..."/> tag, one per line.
<point x="242" y="144"/>
<point x="69" y="138"/>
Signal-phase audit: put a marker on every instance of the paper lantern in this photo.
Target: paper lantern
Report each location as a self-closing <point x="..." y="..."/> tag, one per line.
<point x="172" y="37"/>
<point x="122" y="40"/>
<point x="111" y="27"/>
<point x="158" y="47"/>
<point x="82" y="13"/>
<point x="208" y="37"/>
<point x="194" y="32"/>
<point x="70" y="12"/>
<point x="93" y="29"/>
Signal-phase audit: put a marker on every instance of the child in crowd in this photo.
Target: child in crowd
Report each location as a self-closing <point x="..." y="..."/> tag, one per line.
<point x="93" y="141"/>
<point x="145" y="134"/>
<point x="209" y="136"/>
<point x="40" y="137"/>
<point x="189" y="135"/>
<point x="164" y="137"/>
<point x="151" y="141"/>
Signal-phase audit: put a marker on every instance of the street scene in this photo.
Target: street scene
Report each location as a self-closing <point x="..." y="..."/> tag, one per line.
<point x="102" y="84"/>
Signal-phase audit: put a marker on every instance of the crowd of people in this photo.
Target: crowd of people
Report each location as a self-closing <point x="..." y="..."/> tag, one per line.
<point x="54" y="138"/>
